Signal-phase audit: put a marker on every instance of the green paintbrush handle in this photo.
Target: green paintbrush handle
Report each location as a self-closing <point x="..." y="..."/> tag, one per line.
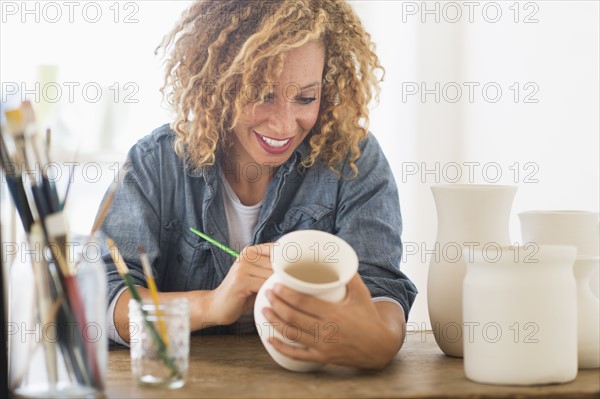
<point x="215" y="243"/>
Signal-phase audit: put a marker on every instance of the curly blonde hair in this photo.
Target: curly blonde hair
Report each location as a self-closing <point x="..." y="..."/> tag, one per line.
<point x="220" y="47"/>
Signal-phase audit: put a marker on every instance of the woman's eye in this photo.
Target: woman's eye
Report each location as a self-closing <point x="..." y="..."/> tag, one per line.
<point x="305" y="100"/>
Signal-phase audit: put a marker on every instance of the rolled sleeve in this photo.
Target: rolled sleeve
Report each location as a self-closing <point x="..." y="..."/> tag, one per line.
<point x="369" y="219"/>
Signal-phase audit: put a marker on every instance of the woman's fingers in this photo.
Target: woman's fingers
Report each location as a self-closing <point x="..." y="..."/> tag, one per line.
<point x="304" y="353"/>
<point x="257" y="255"/>
<point x="291" y="304"/>
<point x="252" y="270"/>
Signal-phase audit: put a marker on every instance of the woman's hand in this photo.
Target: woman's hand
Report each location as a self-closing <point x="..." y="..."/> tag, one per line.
<point x="237" y="291"/>
<point x="355" y="332"/>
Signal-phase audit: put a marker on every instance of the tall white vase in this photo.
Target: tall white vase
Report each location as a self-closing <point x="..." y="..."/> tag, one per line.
<point x="588" y="313"/>
<point x="311" y="262"/>
<point x="472" y="215"/>
<point x="565" y="227"/>
<point x="520" y="316"/>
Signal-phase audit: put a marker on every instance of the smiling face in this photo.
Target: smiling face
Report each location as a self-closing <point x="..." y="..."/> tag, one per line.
<point x="268" y="133"/>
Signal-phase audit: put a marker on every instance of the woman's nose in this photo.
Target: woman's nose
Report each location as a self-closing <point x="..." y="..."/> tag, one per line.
<point x="282" y="118"/>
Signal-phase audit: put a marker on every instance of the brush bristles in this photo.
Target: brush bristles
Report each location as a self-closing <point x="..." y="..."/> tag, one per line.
<point x="117" y="258"/>
<point x="57" y="224"/>
<point x="14" y="121"/>
<point x="27" y="112"/>
<point x="145" y="261"/>
<point x="48" y="138"/>
<point x="108" y="201"/>
<point x="6" y="161"/>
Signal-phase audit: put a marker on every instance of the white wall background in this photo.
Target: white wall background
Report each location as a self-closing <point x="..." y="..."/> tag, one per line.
<point x="541" y="134"/>
<point x="546" y="140"/>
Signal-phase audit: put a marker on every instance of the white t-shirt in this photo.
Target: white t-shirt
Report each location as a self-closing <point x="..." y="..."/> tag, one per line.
<point x="241" y="219"/>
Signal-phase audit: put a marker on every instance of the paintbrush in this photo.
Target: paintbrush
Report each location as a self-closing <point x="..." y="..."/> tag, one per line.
<point x="71" y="173"/>
<point x="57" y="233"/>
<point x="124" y="272"/>
<point x="42" y="158"/>
<point x="44" y="300"/>
<point x="108" y="200"/>
<point x="48" y="141"/>
<point x="104" y="207"/>
<point x="56" y="236"/>
<point x="154" y="293"/>
<point x="215" y="243"/>
<point x="15" y="186"/>
<point x="16" y="127"/>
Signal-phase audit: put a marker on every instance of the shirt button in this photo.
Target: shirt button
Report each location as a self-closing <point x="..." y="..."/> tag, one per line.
<point x="179" y="258"/>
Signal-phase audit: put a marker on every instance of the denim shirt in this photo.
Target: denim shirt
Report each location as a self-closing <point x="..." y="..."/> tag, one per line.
<point x="160" y="198"/>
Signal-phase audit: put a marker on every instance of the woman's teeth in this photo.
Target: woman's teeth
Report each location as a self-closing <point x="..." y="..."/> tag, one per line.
<point x="275" y="143"/>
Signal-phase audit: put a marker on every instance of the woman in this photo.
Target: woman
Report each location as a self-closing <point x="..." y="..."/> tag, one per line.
<point x="270" y="136"/>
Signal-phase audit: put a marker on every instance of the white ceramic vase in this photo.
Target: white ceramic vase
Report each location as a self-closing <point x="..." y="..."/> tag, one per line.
<point x="564" y="227"/>
<point x="588" y="310"/>
<point x="520" y="309"/>
<point x="311" y="262"/>
<point x="472" y="215"/>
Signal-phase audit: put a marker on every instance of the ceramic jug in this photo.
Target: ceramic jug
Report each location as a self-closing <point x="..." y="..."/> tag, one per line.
<point x="565" y="227"/>
<point x="473" y="215"/>
<point x="588" y="313"/>
<point x="311" y="262"/>
<point x="520" y="315"/>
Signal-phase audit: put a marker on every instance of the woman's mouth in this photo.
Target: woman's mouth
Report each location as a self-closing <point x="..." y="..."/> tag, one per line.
<point x="273" y="146"/>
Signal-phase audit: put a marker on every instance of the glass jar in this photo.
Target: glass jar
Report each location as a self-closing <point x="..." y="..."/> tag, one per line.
<point x="56" y="328"/>
<point x="160" y="342"/>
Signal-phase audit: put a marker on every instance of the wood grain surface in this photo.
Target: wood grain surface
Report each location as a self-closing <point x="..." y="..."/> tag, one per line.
<point x="238" y="366"/>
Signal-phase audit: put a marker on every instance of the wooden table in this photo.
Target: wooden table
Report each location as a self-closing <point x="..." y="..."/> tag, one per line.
<point x="238" y="366"/>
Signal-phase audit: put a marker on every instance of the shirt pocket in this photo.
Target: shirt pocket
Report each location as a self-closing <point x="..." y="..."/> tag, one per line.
<point x="306" y="216"/>
<point x="188" y="263"/>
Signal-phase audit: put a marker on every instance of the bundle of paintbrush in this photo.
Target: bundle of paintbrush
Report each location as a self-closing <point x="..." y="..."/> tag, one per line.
<point x="59" y="299"/>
